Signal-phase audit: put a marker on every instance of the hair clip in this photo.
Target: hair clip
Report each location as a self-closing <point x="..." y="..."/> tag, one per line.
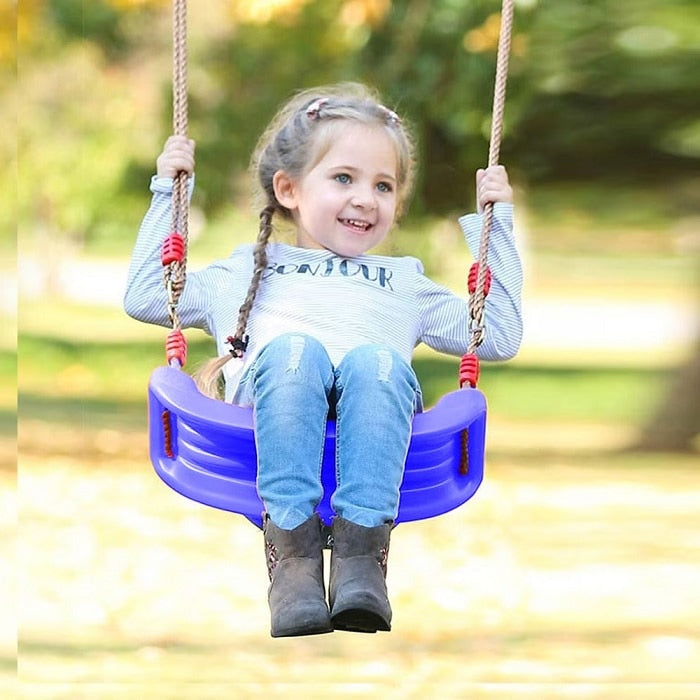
<point x="390" y="115"/>
<point x="238" y="345"/>
<point x="313" y="111"/>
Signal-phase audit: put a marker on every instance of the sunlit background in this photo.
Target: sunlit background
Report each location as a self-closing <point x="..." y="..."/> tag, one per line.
<point x="574" y="570"/>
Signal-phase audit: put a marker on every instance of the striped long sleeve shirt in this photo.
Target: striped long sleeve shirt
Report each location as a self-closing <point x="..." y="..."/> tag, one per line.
<point x="342" y="302"/>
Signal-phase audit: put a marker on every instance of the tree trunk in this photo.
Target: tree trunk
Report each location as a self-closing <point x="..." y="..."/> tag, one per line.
<point x="675" y="424"/>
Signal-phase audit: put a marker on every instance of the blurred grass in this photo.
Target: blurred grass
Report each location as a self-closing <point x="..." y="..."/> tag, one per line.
<point x="587" y="212"/>
<point x="61" y="380"/>
<point x="8" y="412"/>
<point x="8" y="391"/>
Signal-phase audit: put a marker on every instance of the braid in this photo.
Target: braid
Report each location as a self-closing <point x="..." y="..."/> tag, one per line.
<point x="259" y="265"/>
<point x="207" y="378"/>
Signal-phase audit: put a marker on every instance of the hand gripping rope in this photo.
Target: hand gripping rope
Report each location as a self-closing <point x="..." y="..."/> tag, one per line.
<point x="480" y="274"/>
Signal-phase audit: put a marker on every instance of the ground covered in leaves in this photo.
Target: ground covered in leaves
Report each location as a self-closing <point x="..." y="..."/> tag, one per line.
<point x="570" y="574"/>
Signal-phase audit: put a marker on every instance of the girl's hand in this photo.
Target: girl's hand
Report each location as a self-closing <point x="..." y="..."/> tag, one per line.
<point x="177" y="155"/>
<point x="492" y="186"/>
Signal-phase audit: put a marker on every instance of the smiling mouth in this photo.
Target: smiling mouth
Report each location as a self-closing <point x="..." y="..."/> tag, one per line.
<point x="356" y="225"/>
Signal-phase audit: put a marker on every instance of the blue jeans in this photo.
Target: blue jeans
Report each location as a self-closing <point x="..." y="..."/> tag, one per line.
<point x="292" y="384"/>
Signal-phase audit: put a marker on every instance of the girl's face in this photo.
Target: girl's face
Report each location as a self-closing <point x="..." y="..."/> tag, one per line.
<point x="347" y="202"/>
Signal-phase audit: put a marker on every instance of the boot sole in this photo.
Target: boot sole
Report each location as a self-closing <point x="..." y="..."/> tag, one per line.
<point x="358" y="620"/>
<point x="302" y="631"/>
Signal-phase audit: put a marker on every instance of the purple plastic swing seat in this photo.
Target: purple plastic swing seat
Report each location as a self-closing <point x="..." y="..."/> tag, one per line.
<point x="205" y="449"/>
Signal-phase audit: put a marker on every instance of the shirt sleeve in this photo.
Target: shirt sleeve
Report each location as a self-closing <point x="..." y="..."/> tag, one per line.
<point x="445" y="318"/>
<point x="145" y="298"/>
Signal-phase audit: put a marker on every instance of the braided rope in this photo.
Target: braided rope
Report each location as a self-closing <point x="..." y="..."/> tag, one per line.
<point x="175" y="272"/>
<point x="499" y="97"/>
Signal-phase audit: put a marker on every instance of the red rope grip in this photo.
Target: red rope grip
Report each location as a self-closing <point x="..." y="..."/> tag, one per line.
<point x="173" y="249"/>
<point x="473" y="275"/>
<point x="176" y="347"/>
<point x="469" y="370"/>
<point x="464" y="457"/>
<point x="167" y="434"/>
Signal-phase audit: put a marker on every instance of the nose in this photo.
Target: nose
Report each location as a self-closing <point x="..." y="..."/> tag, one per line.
<point x="363" y="197"/>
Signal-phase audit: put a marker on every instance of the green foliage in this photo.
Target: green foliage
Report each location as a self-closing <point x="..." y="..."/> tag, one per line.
<point x="94" y="21"/>
<point x="610" y="83"/>
<point x="78" y="127"/>
<point x="113" y="26"/>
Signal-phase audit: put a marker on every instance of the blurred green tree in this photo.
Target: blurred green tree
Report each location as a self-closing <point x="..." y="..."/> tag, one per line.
<point x="598" y="89"/>
<point x="80" y="103"/>
<point x="612" y="91"/>
<point x="114" y="25"/>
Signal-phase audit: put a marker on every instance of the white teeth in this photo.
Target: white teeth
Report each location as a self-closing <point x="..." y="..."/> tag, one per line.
<point x="357" y="224"/>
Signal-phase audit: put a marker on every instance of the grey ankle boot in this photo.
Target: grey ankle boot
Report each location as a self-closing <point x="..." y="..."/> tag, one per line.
<point x="295" y="566"/>
<point x="358" y="594"/>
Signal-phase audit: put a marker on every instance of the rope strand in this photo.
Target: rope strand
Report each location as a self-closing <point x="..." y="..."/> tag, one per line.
<point x="175" y="272"/>
<point x="477" y="300"/>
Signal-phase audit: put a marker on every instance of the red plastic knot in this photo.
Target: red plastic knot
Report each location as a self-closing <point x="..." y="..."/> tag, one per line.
<point x="173" y="249"/>
<point x="473" y="275"/>
<point x="469" y="370"/>
<point x="176" y="347"/>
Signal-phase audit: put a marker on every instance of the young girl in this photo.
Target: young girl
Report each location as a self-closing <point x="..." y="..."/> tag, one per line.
<point x="326" y="327"/>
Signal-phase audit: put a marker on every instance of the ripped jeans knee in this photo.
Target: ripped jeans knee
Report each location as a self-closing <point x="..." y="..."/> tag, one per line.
<point x="293" y="385"/>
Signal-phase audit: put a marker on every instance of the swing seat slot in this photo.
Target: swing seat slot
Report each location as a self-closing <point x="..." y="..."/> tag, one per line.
<point x="205" y="450"/>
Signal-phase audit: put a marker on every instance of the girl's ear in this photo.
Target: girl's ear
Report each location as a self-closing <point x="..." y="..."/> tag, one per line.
<point x="285" y="190"/>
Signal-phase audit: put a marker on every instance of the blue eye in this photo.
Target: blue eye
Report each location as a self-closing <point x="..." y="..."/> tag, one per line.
<point x="343" y="178"/>
<point x="384" y="187"/>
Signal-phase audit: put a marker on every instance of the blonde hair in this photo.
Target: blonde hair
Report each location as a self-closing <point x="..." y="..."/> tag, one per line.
<point x="296" y="139"/>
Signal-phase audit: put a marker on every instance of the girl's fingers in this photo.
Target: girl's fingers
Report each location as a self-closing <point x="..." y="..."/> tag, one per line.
<point x="177" y="155"/>
<point x="179" y="144"/>
<point x="492" y="186"/>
